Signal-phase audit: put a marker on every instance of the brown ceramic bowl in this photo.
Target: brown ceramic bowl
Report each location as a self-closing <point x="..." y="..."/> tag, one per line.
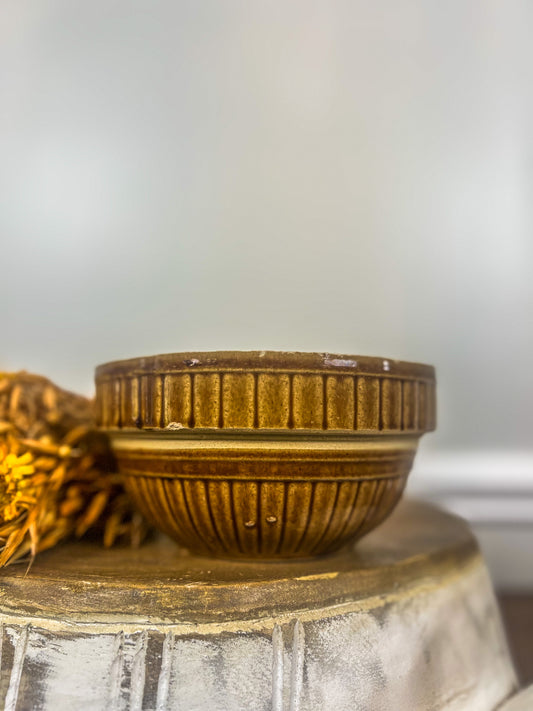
<point x="265" y="454"/>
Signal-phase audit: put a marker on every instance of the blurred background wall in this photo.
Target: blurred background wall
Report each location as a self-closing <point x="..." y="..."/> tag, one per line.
<point x="340" y="176"/>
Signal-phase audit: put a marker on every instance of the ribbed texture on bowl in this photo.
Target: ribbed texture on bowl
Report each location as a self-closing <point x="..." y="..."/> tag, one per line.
<point x="290" y="507"/>
<point x="271" y="391"/>
<point x="264" y="454"/>
<point x="355" y="508"/>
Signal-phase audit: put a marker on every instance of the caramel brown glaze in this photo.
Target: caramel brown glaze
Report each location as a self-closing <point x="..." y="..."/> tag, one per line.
<point x="265" y="454"/>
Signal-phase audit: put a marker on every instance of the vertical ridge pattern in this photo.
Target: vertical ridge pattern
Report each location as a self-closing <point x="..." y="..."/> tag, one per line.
<point x="308" y="408"/>
<point x="176" y="407"/>
<point x="172" y="493"/>
<point x="323" y="502"/>
<point x="291" y="402"/>
<point x="296" y="511"/>
<point x="221" y="378"/>
<point x="245" y="496"/>
<point x="368" y="407"/>
<point x="192" y="420"/>
<point x="308" y="518"/>
<point x="345" y="501"/>
<point x="263" y="400"/>
<point x="273" y="401"/>
<point x="391" y="404"/>
<point x="21" y="646"/>
<point x="283" y="517"/>
<point x="422" y="403"/>
<point x="277" y="668"/>
<point x="270" y="514"/>
<point x="256" y="401"/>
<point x="324" y="403"/>
<point x="268" y="518"/>
<point x="155" y="407"/>
<point x="198" y="504"/>
<point x="220" y="503"/>
<point x="231" y="498"/>
<point x="116" y="672"/>
<point x="297" y="666"/>
<point x="358" y="509"/>
<point x="138" y="673"/>
<point x="333" y="513"/>
<point x="188" y="500"/>
<point x="163" y="683"/>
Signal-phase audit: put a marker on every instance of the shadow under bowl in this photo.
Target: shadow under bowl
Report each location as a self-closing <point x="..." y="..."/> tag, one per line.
<point x="265" y="454"/>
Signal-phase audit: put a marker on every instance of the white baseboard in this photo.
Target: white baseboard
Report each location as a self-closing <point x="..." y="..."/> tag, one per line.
<point x="494" y="492"/>
<point x="473" y="470"/>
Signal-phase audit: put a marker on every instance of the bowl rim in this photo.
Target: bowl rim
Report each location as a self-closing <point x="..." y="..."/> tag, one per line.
<point x="275" y="361"/>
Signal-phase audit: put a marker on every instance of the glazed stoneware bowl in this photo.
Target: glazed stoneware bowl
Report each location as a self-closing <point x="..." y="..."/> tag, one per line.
<point x="265" y="454"/>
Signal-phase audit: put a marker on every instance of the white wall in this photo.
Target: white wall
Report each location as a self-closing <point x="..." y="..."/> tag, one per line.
<point x="343" y="176"/>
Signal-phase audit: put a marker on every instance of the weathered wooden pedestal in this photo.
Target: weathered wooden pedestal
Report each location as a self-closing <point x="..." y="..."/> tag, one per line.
<point x="406" y="620"/>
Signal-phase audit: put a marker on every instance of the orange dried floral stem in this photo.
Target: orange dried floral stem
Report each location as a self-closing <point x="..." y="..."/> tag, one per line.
<point x="52" y="480"/>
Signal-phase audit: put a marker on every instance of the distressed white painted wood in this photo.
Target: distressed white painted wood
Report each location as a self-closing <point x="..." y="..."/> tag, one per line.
<point x="431" y="642"/>
<point x="433" y="648"/>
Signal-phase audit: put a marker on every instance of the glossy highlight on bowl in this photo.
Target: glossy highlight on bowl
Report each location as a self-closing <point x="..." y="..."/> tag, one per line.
<point x="265" y="454"/>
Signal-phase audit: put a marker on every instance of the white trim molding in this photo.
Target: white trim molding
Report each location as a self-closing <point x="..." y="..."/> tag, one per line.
<point x="493" y="490"/>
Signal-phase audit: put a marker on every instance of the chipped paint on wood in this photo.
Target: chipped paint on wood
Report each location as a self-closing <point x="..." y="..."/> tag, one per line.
<point x="16" y="669"/>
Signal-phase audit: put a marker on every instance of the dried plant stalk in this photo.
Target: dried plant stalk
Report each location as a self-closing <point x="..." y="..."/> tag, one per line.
<point x="56" y="472"/>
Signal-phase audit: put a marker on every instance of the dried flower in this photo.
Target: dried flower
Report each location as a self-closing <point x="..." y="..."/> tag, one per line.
<point x="56" y="473"/>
